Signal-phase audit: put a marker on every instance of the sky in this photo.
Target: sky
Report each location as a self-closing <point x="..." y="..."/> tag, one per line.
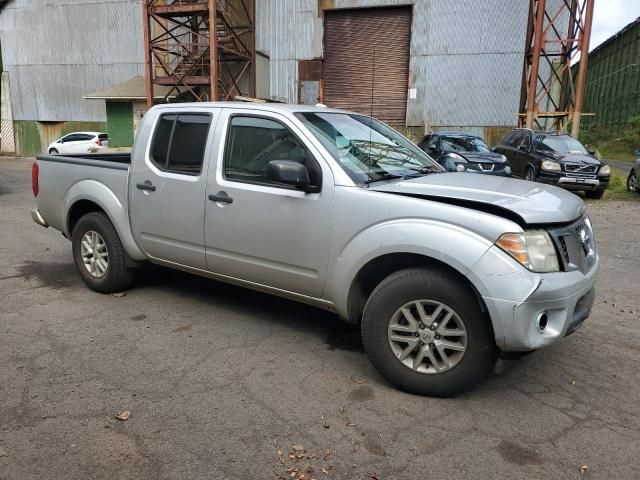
<point x="610" y="16"/>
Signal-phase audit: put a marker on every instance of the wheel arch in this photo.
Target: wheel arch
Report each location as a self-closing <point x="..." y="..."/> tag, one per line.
<point x="93" y="196"/>
<point x="379" y="268"/>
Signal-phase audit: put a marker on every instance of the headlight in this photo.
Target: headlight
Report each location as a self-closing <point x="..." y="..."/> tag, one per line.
<point x="503" y="158"/>
<point x="605" y="170"/>
<point x="550" y="166"/>
<point x="507" y="170"/>
<point x="533" y="249"/>
<point x="460" y="167"/>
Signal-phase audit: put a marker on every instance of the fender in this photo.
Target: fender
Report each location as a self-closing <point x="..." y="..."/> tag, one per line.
<point x="98" y="193"/>
<point x="452" y="245"/>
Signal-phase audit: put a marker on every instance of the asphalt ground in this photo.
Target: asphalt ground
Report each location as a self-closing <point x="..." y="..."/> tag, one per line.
<point x="223" y="382"/>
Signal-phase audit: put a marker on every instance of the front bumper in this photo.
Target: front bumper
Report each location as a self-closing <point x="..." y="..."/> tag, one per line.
<point x="573" y="183"/>
<point x="519" y="302"/>
<point x="38" y="218"/>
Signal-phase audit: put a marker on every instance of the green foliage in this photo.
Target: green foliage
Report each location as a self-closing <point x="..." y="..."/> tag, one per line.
<point x="613" y="145"/>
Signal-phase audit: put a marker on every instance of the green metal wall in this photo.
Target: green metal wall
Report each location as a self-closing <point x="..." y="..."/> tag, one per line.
<point x="120" y="124"/>
<point x="613" y="80"/>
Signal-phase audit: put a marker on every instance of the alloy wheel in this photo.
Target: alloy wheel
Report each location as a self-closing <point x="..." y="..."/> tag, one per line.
<point x="427" y="336"/>
<point x="95" y="256"/>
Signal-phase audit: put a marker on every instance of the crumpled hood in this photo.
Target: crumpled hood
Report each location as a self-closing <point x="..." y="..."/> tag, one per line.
<point x="525" y="202"/>
<point x="478" y="157"/>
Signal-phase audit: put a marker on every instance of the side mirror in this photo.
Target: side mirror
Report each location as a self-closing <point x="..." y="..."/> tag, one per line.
<point x="60" y="141"/>
<point x="289" y="173"/>
<point x="591" y="151"/>
<point x="523" y="148"/>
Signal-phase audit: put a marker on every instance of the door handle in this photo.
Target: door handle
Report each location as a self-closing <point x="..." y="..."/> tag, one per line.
<point x="221" y="197"/>
<point x="146" y="186"/>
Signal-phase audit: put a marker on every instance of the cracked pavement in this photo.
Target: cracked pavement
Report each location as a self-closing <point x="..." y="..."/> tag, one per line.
<point x="218" y="379"/>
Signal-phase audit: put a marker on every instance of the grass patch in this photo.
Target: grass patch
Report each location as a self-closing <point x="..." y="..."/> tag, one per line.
<point x="617" y="189"/>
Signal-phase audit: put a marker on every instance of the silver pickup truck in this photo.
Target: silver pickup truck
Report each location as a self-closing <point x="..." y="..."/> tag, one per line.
<point x="443" y="271"/>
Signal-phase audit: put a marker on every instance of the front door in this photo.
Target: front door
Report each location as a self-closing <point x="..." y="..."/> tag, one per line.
<point x="260" y="231"/>
<point x="167" y="188"/>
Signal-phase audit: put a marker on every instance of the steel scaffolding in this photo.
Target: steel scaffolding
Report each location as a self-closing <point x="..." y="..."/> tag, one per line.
<point x="198" y="62"/>
<point x="558" y="36"/>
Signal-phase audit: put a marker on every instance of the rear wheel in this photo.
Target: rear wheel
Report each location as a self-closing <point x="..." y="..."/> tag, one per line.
<point x="632" y="181"/>
<point x="425" y="332"/>
<point x="98" y="254"/>
<point x="595" y="194"/>
<point x="530" y="175"/>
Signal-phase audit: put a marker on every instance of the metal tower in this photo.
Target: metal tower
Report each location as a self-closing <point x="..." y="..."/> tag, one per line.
<point x="558" y="35"/>
<point x="202" y="49"/>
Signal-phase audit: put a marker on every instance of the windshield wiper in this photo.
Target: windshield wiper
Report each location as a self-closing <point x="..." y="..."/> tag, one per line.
<point x="423" y="171"/>
<point x="383" y="177"/>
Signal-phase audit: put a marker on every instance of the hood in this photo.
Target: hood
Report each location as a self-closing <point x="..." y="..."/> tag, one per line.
<point x="581" y="158"/>
<point x="526" y="203"/>
<point x="479" y="157"/>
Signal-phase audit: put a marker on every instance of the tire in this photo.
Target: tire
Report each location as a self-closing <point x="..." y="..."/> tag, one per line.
<point x="530" y="174"/>
<point x="117" y="275"/>
<point x="632" y="182"/>
<point x="53" y="151"/>
<point x="440" y="287"/>
<point x="594" y="194"/>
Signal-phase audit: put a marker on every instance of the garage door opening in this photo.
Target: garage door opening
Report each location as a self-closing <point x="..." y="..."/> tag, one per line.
<point x="356" y="79"/>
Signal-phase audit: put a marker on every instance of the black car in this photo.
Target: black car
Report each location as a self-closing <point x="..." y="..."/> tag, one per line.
<point x="462" y="152"/>
<point x="555" y="158"/>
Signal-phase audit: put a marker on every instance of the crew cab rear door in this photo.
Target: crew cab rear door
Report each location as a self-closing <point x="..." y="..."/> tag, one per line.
<point x="168" y="184"/>
<point x="259" y="231"/>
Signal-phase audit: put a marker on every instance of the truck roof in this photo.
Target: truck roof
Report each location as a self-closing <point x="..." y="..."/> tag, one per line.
<point x="283" y="107"/>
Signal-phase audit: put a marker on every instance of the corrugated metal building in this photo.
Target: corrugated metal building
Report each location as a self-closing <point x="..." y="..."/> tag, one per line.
<point x="463" y="60"/>
<point x="613" y="82"/>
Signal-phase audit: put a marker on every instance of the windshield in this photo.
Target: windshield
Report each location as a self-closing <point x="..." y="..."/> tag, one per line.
<point x="368" y="150"/>
<point x="464" y="144"/>
<point x="560" y="144"/>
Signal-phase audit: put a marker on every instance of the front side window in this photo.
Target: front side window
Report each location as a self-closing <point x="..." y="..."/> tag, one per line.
<point x="253" y="142"/>
<point x="368" y="150"/>
<point x="179" y="142"/>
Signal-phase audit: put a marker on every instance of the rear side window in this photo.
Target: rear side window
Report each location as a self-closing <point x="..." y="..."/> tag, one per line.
<point x="179" y="142"/>
<point x="103" y="136"/>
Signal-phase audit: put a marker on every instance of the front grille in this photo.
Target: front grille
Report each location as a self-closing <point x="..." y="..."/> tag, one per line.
<point x="576" y="245"/>
<point x="579" y="168"/>
<point x="482" y="167"/>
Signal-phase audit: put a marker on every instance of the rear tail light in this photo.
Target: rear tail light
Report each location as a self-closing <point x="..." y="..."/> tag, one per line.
<point x="34" y="179"/>
<point x="99" y="143"/>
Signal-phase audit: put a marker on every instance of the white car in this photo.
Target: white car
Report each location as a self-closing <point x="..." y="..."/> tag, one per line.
<point x="79" y="142"/>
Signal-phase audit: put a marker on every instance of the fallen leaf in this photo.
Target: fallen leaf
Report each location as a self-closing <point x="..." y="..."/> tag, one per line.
<point x="374" y="476"/>
<point x="352" y="424"/>
<point x="327" y="452"/>
<point x="325" y="471"/>
<point x="123" y="415"/>
<point x="118" y="294"/>
<point x="325" y="424"/>
<point x="583" y="469"/>
<point x="297" y="448"/>
<point x="573" y="382"/>
<point x="357" y="380"/>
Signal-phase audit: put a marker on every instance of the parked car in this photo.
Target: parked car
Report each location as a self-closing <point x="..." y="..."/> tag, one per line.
<point x="632" y="179"/>
<point x="461" y="152"/>
<point x="555" y="158"/>
<point x="79" y="142"/>
<point x="442" y="270"/>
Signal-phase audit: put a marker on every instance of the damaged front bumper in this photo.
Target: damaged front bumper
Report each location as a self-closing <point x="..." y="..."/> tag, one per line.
<point x="532" y="310"/>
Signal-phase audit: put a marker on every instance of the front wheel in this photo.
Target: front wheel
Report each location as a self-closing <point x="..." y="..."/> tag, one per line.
<point x="98" y="254"/>
<point x="425" y="332"/>
<point x="632" y="182"/>
<point x="53" y="151"/>
<point x="530" y="175"/>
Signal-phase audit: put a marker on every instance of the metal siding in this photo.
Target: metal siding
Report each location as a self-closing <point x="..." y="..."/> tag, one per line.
<point x="465" y="61"/>
<point x="87" y="45"/>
